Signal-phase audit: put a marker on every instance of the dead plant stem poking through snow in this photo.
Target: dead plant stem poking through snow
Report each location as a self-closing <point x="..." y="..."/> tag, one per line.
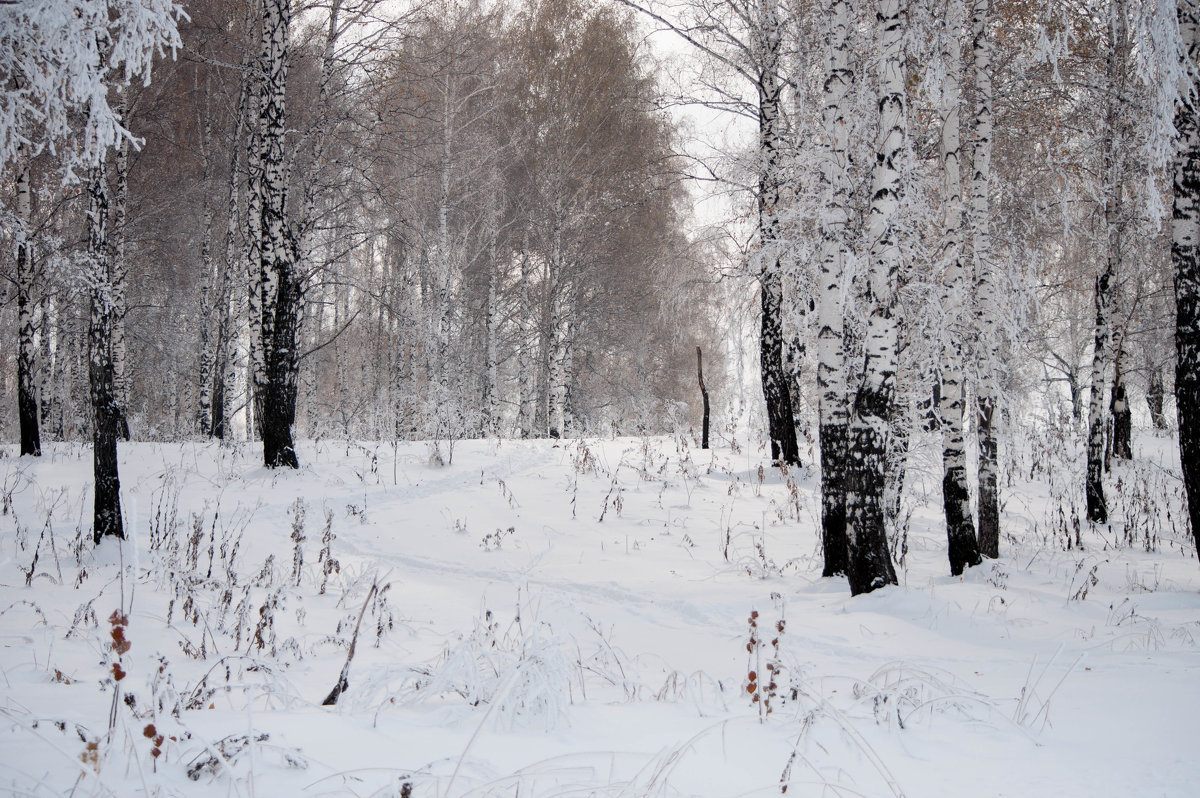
<point x="343" y="682"/>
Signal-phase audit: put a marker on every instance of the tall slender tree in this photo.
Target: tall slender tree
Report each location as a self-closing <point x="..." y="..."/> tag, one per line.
<point x="117" y="269"/>
<point x="1113" y="144"/>
<point x="831" y="374"/>
<point x="767" y="38"/>
<point x="747" y="36"/>
<point x="27" y="404"/>
<point x="870" y="564"/>
<point x="102" y="318"/>
<point x="956" y="500"/>
<point x="1185" y="255"/>
<point x="987" y="343"/>
<point x="281" y="289"/>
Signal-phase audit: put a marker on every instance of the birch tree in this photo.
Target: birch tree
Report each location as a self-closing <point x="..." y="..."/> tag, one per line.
<point x="1116" y="144"/>
<point x="222" y="369"/>
<point x="987" y="340"/>
<point x="63" y="58"/>
<point x="58" y="58"/>
<point x="831" y="380"/>
<point x="63" y="55"/>
<point x="1185" y="255"/>
<point x="281" y="291"/>
<point x="747" y="37"/>
<point x="767" y="44"/>
<point x="27" y="404"/>
<point x="869" y="561"/>
<point x="118" y="268"/>
<point x="101" y="275"/>
<point x="960" y="528"/>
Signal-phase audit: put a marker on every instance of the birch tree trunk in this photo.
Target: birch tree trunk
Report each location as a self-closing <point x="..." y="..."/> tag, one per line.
<point x="51" y="367"/>
<point x="117" y="268"/>
<point x="281" y="288"/>
<point x="255" y="365"/>
<point x="1156" y="395"/>
<point x="1097" y="507"/>
<point x="869" y="563"/>
<point x="208" y="304"/>
<point x="831" y="379"/>
<point x="559" y="341"/>
<point x="223" y="378"/>
<point x="987" y="343"/>
<point x="27" y="402"/>
<point x="526" y="353"/>
<point x="956" y="499"/>
<point x="796" y="347"/>
<point x="444" y="265"/>
<point x="781" y="426"/>
<point x="491" y="376"/>
<point x="304" y="227"/>
<point x="1185" y="256"/>
<point x="1118" y="406"/>
<point x="106" y="517"/>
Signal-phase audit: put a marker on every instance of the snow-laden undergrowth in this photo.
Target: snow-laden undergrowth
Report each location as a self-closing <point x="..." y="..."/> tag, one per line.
<point x="598" y="617"/>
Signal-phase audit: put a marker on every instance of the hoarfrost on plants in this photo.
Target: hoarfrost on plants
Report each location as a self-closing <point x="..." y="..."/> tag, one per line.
<point x="608" y="657"/>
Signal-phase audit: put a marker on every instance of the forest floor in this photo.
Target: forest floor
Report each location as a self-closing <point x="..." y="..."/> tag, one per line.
<point x="540" y="618"/>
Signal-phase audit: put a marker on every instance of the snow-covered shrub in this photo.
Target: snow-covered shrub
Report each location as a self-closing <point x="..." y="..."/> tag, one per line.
<point x="901" y="692"/>
<point x="523" y="676"/>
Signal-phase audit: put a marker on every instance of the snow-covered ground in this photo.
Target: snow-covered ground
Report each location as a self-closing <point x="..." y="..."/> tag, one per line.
<point x="574" y="618"/>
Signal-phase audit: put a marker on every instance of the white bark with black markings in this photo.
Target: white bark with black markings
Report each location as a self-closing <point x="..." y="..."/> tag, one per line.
<point x="1185" y="256"/>
<point x="833" y="408"/>
<point x="956" y="498"/>
<point x="987" y="341"/>
<point x="767" y="45"/>
<point x="869" y="564"/>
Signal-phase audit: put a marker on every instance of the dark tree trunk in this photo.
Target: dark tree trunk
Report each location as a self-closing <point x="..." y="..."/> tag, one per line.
<point x="897" y="459"/>
<point x="279" y="393"/>
<point x="927" y="407"/>
<point x="834" y="438"/>
<point x="704" y="394"/>
<point x="106" y="415"/>
<point x="1122" y="414"/>
<point x="1076" y="395"/>
<point x="989" y="488"/>
<point x="219" y="429"/>
<point x="869" y="563"/>
<point x="1156" y="397"/>
<point x="1097" y="507"/>
<point x="1185" y="255"/>
<point x="963" y="548"/>
<point x="781" y="425"/>
<point x="27" y="403"/>
<point x="1114" y="164"/>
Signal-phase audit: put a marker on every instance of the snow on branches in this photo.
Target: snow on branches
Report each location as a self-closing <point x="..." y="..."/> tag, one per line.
<point x="58" y="60"/>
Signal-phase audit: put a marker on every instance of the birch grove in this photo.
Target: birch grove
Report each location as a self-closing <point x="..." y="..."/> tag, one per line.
<point x="894" y="230"/>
